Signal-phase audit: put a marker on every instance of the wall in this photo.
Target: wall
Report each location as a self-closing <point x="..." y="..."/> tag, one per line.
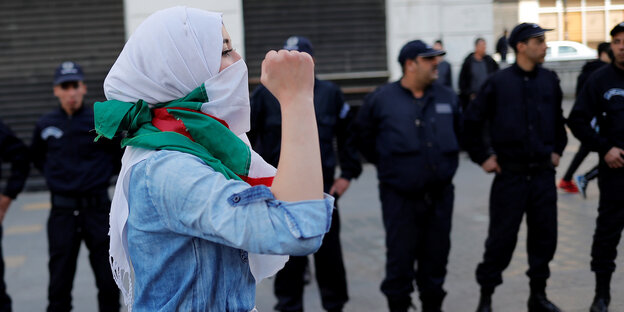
<point x="137" y="10"/>
<point x="457" y="22"/>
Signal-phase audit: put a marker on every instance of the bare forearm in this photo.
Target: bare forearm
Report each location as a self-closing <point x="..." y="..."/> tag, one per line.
<point x="299" y="175"/>
<point x="289" y="75"/>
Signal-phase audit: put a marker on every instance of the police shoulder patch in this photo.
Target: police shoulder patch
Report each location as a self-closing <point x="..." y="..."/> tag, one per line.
<point x="51" y="131"/>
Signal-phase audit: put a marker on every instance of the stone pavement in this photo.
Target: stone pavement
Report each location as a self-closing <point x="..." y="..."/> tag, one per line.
<point x="571" y="284"/>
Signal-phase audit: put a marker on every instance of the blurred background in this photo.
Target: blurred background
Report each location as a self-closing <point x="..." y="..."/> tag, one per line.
<point x="356" y="41"/>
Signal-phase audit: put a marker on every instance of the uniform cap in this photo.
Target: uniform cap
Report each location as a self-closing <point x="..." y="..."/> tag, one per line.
<point x="525" y="31"/>
<point x="68" y="71"/>
<point x="299" y="43"/>
<point x="416" y="48"/>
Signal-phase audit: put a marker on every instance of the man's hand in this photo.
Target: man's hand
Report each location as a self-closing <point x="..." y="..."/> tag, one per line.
<point x="491" y="165"/>
<point x="339" y="187"/>
<point x="289" y="75"/>
<point x="5" y="202"/>
<point x="615" y="158"/>
<point x="554" y="157"/>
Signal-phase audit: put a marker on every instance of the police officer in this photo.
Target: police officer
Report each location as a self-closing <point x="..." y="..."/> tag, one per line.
<point x="77" y="171"/>
<point x="522" y="105"/>
<point x="603" y="98"/>
<point x="409" y="130"/>
<point x="334" y="121"/>
<point x="14" y="151"/>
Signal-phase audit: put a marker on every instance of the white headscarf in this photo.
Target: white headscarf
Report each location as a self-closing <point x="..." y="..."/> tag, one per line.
<point x="170" y="54"/>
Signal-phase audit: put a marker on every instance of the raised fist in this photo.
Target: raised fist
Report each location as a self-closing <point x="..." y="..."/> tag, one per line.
<point x="289" y="75"/>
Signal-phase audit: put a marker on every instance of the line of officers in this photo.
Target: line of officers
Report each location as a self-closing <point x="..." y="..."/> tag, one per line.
<point x="412" y="131"/>
<point x="514" y="127"/>
<point x="510" y="122"/>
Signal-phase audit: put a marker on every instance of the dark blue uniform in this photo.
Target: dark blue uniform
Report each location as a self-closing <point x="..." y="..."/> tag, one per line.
<point x="523" y="110"/>
<point x="603" y="98"/>
<point x="334" y="121"/>
<point x="78" y="172"/>
<point x="414" y="144"/>
<point x="14" y="151"/>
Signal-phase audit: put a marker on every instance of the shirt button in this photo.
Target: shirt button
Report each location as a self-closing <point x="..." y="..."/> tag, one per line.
<point x="76" y="212"/>
<point x="417" y="122"/>
<point x="236" y="198"/>
<point x="429" y="144"/>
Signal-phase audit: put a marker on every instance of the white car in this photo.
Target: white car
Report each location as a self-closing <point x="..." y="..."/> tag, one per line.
<point x="568" y="51"/>
<point x="559" y="51"/>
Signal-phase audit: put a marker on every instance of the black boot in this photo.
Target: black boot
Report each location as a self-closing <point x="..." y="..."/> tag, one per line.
<point x="485" y="302"/>
<point x="538" y="302"/>
<point x="603" y="293"/>
<point x="432" y="300"/>
<point x="599" y="305"/>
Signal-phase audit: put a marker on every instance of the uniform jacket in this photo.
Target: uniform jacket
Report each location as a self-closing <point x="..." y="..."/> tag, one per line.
<point x="71" y="162"/>
<point x="525" y="118"/>
<point x="412" y="146"/>
<point x="14" y="151"/>
<point x="602" y="98"/>
<point x="333" y="118"/>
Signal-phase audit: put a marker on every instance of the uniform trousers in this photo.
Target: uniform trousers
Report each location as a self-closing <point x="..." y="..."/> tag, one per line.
<point x="513" y="195"/>
<point x="73" y="220"/>
<point x="418" y="227"/>
<point x="610" y="221"/>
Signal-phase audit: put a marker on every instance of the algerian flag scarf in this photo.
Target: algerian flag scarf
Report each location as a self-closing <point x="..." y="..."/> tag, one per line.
<point x="169" y="55"/>
<point x="179" y="125"/>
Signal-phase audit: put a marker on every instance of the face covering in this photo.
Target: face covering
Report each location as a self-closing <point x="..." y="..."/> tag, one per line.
<point x="228" y="95"/>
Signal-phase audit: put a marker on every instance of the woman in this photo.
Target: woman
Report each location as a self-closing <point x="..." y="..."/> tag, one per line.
<point x="181" y="211"/>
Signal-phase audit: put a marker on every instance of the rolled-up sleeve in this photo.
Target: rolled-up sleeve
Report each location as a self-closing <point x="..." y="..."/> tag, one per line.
<point x="195" y="200"/>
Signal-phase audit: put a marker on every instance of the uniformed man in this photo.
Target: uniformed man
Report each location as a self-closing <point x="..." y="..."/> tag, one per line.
<point x="602" y="98"/>
<point x="77" y="171"/>
<point x="14" y="151"/>
<point x="409" y="130"/>
<point x="522" y="104"/>
<point x="334" y="122"/>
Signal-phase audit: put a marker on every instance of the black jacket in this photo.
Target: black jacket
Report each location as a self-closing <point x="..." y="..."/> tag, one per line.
<point x="14" y="151"/>
<point x="602" y="98"/>
<point x="333" y="117"/>
<point x="588" y="69"/>
<point x="525" y="118"/>
<point x="465" y="75"/>
<point x="502" y="46"/>
<point x="64" y="151"/>
<point x="412" y="146"/>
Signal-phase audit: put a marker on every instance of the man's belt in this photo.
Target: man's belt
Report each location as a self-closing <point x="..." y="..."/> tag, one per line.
<point x="530" y="167"/>
<point x="94" y="202"/>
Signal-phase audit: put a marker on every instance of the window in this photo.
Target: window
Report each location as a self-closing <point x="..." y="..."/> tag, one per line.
<point x="566" y="50"/>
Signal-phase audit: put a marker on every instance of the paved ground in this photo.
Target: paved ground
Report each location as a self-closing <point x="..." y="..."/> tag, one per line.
<point x="571" y="285"/>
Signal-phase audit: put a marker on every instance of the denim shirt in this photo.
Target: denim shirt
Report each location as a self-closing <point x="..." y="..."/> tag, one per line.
<point x="190" y="228"/>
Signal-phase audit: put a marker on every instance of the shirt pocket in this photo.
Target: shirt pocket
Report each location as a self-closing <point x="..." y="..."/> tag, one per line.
<point x="509" y="120"/>
<point x="547" y="117"/>
<point x="615" y="114"/>
<point x="400" y="135"/>
<point x="444" y="128"/>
